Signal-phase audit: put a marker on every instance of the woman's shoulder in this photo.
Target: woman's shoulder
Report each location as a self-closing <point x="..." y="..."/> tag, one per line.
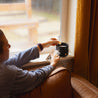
<point x="7" y="75"/>
<point x="8" y="70"/>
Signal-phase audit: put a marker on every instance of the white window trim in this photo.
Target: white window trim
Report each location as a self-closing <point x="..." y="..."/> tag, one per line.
<point x="64" y="9"/>
<point x="68" y="23"/>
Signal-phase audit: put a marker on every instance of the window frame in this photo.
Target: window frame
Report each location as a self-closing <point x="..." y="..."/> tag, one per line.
<point x="68" y="23"/>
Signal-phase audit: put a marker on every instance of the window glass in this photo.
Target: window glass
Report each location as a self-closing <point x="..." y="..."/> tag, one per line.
<point x="46" y="12"/>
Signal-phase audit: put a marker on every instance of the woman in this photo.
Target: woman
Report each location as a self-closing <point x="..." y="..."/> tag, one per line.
<point x="14" y="80"/>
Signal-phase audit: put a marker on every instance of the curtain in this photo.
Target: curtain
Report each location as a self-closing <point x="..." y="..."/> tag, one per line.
<point x="86" y="40"/>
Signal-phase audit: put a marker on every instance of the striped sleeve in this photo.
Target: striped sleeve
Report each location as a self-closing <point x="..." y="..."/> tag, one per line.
<point x="28" y="80"/>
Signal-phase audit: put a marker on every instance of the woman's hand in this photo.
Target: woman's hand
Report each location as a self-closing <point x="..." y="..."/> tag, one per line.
<point x="54" y="58"/>
<point x="51" y="42"/>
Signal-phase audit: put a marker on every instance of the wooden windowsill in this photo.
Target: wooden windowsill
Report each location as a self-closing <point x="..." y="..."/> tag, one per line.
<point x="66" y="62"/>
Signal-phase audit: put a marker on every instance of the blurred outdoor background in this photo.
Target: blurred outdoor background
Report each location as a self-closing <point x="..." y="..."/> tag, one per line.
<point x="46" y="12"/>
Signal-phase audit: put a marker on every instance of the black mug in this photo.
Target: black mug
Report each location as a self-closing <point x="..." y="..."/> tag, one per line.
<point x="62" y="49"/>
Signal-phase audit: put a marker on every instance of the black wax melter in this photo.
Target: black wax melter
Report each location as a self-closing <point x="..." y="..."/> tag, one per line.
<point x="62" y="49"/>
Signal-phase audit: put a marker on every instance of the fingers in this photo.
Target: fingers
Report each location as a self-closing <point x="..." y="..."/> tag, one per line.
<point x="57" y="57"/>
<point x="53" y="39"/>
<point x="51" y="42"/>
<point x="54" y="58"/>
<point x="55" y="42"/>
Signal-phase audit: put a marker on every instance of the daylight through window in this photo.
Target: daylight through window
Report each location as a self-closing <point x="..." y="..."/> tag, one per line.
<point x="44" y="13"/>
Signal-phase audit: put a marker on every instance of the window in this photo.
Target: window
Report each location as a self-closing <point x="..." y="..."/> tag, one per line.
<point x="55" y="18"/>
<point x="46" y="12"/>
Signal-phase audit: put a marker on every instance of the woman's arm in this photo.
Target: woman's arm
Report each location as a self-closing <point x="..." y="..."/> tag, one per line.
<point x="25" y="81"/>
<point x="30" y="54"/>
<point x="23" y="57"/>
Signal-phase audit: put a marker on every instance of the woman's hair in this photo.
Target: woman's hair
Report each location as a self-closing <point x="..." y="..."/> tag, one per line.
<point x="1" y="41"/>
